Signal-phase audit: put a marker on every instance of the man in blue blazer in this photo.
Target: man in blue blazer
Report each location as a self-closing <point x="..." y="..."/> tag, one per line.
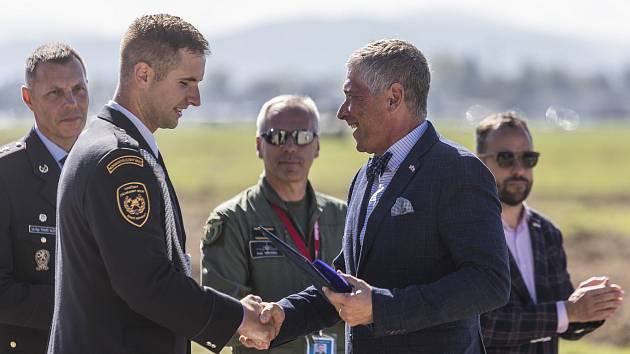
<point x="423" y="243"/>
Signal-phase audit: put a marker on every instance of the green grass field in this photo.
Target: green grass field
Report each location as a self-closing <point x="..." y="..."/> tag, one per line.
<point x="582" y="181"/>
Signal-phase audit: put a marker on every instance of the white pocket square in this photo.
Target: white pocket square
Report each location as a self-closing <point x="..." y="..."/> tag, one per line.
<point x="401" y="207"/>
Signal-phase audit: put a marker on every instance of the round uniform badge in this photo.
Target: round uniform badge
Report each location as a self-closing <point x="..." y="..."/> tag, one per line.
<point x="42" y="258"/>
<point x="133" y="203"/>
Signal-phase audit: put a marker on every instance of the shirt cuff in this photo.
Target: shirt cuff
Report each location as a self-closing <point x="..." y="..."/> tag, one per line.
<point x="563" y="318"/>
<point x="238" y="330"/>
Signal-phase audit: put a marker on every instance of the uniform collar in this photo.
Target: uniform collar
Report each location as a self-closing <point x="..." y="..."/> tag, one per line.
<point x="272" y="197"/>
<point x="142" y="129"/>
<point x="54" y="149"/>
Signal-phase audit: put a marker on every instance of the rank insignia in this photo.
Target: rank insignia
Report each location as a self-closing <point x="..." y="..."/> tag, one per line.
<point x="42" y="257"/>
<point x="133" y="203"/>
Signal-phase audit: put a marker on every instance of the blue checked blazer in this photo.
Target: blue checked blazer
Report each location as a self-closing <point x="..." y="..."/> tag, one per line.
<point x="434" y="271"/>
<point x="523" y="326"/>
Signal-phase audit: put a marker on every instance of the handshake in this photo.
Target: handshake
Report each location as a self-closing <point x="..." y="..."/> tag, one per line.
<point x="261" y="322"/>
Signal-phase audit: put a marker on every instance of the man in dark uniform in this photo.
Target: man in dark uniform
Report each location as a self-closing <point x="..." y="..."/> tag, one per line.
<point x="123" y="279"/>
<point x="55" y="91"/>
<point x="236" y="258"/>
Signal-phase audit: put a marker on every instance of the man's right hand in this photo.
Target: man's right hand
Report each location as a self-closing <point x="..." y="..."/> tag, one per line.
<point x="260" y="334"/>
<point x="271" y="315"/>
<point x="595" y="299"/>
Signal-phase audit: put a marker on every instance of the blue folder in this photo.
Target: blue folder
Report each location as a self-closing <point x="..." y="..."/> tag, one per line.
<point x="317" y="272"/>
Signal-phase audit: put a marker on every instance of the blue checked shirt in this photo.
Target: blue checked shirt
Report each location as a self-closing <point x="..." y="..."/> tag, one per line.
<point x="399" y="151"/>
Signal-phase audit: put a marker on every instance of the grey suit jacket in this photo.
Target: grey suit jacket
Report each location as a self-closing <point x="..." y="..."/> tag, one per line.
<point x="434" y="270"/>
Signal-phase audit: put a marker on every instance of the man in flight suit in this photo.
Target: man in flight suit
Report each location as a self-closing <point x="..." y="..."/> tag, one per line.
<point x="55" y="90"/>
<point x="123" y="279"/>
<point x="236" y="258"/>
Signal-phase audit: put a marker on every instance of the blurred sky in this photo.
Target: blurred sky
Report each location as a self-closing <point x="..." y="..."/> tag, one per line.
<point x="596" y="19"/>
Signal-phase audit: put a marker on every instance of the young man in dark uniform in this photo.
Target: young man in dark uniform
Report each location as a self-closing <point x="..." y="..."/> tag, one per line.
<point x="55" y="91"/>
<point x="123" y="278"/>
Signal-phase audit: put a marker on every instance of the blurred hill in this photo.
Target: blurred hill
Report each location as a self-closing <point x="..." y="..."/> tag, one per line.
<point x="474" y="61"/>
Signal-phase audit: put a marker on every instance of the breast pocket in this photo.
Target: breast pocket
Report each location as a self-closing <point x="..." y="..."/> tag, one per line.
<point x="34" y="255"/>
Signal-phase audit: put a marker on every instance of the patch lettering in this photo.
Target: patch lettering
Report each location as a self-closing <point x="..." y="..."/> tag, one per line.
<point x="133" y="203"/>
<point x="43" y="230"/>
<point x="124" y="160"/>
<point x="263" y="249"/>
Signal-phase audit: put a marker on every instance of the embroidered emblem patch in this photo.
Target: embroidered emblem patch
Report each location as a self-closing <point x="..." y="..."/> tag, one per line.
<point x="133" y="203"/>
<point x="124" y="160"/>
<point x="42" y="257"/>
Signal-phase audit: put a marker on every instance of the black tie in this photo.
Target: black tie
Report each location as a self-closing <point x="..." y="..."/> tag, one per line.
<point x="63" y="160"/>
<point x="376" y="167"/>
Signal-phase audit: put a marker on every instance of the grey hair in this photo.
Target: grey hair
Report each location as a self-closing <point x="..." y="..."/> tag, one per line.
<point x="57" y="53"/>
<point x="281" y="102"/>
<point x="387" y="61"/>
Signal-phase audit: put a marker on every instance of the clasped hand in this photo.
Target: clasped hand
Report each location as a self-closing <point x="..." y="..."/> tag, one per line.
<point x="261" y="322"/>
<point x="595" y="299"/>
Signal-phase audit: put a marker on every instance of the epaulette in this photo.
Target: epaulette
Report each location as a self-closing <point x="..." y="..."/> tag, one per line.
<point x="11" y="148"/>
<point x="125" y="140"/>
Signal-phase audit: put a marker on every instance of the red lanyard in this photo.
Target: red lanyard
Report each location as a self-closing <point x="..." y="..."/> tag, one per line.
<point x="299" y="242"/>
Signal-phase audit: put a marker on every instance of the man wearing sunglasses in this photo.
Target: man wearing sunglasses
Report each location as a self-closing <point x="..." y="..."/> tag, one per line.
<point x="543" y="304"/>
<point x="236" y="258"/>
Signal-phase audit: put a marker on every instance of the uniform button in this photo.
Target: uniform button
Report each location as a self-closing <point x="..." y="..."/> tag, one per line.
<point x="13" y="344"/>
<point x="43" y="217"/>
<point x="43" y="239"/>
<point x="211" y="345"/>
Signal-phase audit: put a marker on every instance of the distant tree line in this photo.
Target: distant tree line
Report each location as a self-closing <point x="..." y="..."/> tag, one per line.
<point x="456" y="85"/>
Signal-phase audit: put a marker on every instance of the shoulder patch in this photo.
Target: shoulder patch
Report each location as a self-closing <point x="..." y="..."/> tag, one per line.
<point x="12" y="147"/>
<point x="124" y="160"/>
<point x="133" y="203"/>
<point x="212" y="230"/>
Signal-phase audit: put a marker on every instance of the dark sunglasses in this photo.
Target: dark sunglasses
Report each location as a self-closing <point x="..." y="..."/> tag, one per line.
<point x="280" y="136"/>
<point x="528" y="159"/>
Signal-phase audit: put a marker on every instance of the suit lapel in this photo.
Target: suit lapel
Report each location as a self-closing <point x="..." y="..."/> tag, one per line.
<point x="120" y="120"/>
<point x="538" y="251"/>
<point x="401" y="179"/>
<point x="44" y="167"/>
<point x="518" y="284"/>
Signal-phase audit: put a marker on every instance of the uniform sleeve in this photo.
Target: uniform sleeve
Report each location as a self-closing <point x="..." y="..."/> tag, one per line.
<point x="224" y="257"/>
<point x="305" y="312"/>
<point x="21" y="304"/>
<point x="124" y="210"/>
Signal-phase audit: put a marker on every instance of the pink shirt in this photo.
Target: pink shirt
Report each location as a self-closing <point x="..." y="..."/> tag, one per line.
<point x="520" y="245"/>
